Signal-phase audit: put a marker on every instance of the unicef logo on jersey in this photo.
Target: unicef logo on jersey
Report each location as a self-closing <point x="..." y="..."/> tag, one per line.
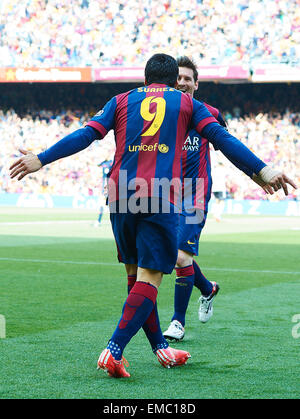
<point x="162" y="148"/>
<point x="99" y="113"/>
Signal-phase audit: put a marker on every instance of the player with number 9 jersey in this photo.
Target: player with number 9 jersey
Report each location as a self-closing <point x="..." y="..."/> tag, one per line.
<point x="150" y="124"/>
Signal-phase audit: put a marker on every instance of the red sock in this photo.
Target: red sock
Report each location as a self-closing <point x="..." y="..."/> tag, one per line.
<point x="131" y="282"/>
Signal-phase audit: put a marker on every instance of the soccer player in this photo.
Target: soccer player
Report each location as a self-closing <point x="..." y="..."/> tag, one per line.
<point x="195" y="165"/>
<point x="106" y="166"/>
<point x="150" y="125"/>
<point x="219" y="191"/>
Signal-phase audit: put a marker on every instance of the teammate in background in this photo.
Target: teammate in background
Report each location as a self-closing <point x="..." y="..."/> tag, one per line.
<point x="195" y="164"/>
<point x="150" y="126"/>
<point x="102" y="203"/>
<point x="219" y="191"/>
<point x="106" y="166"/>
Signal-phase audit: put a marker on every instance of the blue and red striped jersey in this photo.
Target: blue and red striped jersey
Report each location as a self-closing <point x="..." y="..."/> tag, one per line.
<point x="150" y="125"/>
<point x="196" y="164"/>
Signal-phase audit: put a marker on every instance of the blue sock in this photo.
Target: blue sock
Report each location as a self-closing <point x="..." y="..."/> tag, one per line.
<point x="115" y="350"/>
<point x="151" y="326"/>
<point x="100" y="215"/>
<point x="136" y="310"/>
<point x="183" y="290"/>
<point x="203" y="284"/>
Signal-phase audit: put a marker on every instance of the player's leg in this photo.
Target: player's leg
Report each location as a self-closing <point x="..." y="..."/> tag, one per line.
<point x="218" y="206"/>
<point x="124" y="229"/>
<point x="136" y="310"/>
<point x="157" y="239"/>
<point x="207" y="288"/>
<point x="100" y="215"/>
<point x="151" y="326"/>
<point x="131" y="270"/>
<point x="142" y="297"/>
<point x="183" y="289"/>
<point x="188" y="238"/>
<point x="201" y="282"/>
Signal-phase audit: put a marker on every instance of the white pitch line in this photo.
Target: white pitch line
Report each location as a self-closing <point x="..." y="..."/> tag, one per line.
<point x="72" y="262"/>
<point x="17" y="223"/>
<point x="68" y="262"/>
<point x="265" y="271"/>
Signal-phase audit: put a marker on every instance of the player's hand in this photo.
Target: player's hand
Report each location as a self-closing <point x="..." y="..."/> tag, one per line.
<point x="29" y="163"/>
<point x="281" y="181"/>
<point x="267" y="188"/>
<point x="275" y="179"/>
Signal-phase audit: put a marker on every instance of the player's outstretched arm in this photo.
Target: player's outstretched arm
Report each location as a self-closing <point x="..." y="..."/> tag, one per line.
<point x="71" y="144"/>
<point x="29" y="163"/>
<point x="271" y="180"/>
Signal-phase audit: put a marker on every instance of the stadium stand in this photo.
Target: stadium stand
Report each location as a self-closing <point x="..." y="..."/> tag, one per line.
<point x="124" y="33"/>
<point x="51" y="33"/>
<point x="273" y="136"/>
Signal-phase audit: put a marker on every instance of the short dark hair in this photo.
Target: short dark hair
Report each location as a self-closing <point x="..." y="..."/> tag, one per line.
<point x="161" y="68"/>
<point x="187" y="62"/>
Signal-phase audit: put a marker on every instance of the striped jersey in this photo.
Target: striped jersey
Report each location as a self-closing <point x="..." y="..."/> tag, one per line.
<point x="150" y="125"/>
<point x="196" y="165"/>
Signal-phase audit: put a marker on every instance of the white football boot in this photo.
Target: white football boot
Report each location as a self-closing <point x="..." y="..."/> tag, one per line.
<point x="206" y="310"/>
<point x="175" y="331"/>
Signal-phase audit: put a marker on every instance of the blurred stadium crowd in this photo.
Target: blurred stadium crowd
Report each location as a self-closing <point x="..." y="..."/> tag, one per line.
<point x="55" y="33"/>
<point x="52" y="33"/>
<point x="274" y="137"/>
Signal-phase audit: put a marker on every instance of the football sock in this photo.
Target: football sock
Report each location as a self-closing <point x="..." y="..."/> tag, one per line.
<point x="183" y="290"/>
<point x="153" y="331"/>
<point x="115" y="350"/>
<point x="136" y="310"/>
<point x="151" y="326"/>
<point x="131" y="282"/>
<point x="100" y="215"/>
<point x="203" y="284"/>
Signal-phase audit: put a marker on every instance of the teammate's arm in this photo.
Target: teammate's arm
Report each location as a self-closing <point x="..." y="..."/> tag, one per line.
<point x="217" y="114"/>
<point x="236" y="151"/>
<point x="207" y="126"/>
<point x="77" y="141"/>
<point x="71" y="144"/>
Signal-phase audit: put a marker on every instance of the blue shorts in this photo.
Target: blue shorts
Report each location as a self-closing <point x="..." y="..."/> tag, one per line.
<point x="147" y="239"/>
<point x="189" y="233"/>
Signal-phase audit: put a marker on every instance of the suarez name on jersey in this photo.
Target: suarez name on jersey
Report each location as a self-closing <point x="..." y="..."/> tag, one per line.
<point x="150" y="125"/>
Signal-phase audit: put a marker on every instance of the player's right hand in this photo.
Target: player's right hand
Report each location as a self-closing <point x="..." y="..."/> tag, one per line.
<point x="267" y="188"/>
<point x="281" y="181"/>
<point x="275" y="179"/>
<point x="29" y="163"/>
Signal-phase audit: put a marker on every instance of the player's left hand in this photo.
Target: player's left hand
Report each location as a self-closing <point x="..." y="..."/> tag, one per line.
<point x="29" y="163"/>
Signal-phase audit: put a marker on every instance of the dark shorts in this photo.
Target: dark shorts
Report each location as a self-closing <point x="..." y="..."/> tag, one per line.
<point x="147" y="239"/>
<point x="219" y="195"/>
<point x="189" y="233"/>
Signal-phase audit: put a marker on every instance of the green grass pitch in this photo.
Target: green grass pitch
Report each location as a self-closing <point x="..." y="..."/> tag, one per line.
<point x="62" y="290"/>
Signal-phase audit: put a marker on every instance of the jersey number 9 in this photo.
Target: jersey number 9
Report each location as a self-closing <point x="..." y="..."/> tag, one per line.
<point x="157" y="117"/>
